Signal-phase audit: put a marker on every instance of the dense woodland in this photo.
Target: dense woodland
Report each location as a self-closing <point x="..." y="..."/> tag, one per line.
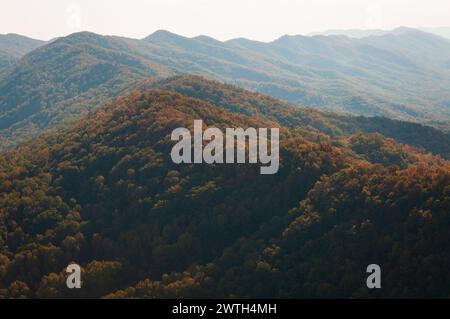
<point x="12" y="48"/>
<point x="104" y="193"/>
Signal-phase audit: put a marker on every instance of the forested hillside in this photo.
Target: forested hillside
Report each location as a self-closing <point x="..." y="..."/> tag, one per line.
<point x="374" y="76"/>
<point x="104" y="193"/>
<point x="13" y="47"/>
<point x="63" y="80"/>
<point x="234" y="99"/>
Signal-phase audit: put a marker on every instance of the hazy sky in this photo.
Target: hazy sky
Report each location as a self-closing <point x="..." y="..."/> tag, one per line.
<point x="225" y="19"/>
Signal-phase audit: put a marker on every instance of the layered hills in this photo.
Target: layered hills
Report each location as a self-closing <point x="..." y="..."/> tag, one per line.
<point x="104" y="193"/>
<point x="403" y="74"/>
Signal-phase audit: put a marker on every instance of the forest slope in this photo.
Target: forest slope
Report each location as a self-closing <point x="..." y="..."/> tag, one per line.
<point x="105" y="194"/>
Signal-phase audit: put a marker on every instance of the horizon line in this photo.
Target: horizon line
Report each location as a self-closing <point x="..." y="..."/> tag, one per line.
<point x="309" y="34"/>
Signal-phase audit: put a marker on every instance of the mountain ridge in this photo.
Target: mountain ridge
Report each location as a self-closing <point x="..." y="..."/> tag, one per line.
<point x="13" y="47"/>
<point x="373" y="78"/>
<point x="443" y="32"/>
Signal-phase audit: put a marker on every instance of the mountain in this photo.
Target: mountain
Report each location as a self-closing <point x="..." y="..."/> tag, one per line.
<point x="17" y="45"/>
<point x="65" y="79"/>
<point x="363" y="33"/>
<point x="442" y="31"/>
<point x="13" y="47"/>
<point x="336" y="125"/>
<point x="351" y="33"/>
<point x="105" y="193"/>
<point x="362" y="76"/>
<point x="402" y="75"/>
<point x="416" y="45"/>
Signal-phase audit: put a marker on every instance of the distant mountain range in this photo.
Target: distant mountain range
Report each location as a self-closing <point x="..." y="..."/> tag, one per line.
<point x="404" y="74"/>
<point x="443" y="31"/>
<point x="351" y="33"/>
<point x="362" y="33"/>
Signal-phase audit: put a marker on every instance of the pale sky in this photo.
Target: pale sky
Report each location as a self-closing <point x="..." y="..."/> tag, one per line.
<point x="262" y="20"/>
